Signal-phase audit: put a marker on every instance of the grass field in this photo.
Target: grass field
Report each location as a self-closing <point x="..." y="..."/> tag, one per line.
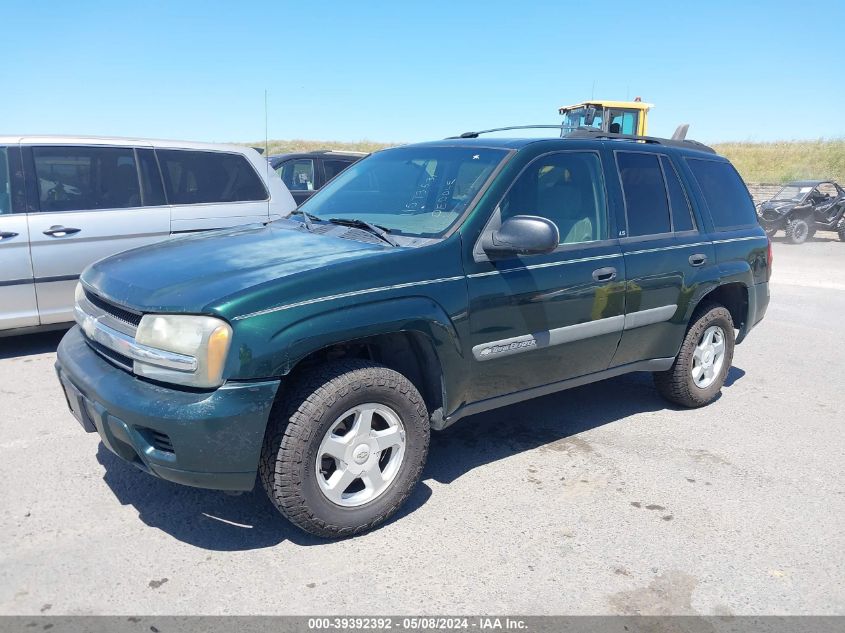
<point x="757" y="162"/>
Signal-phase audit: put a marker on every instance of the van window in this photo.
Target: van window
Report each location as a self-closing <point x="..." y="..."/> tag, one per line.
<point x="194" y="177"/>
<point x="83" y="178"/>
<point x="332" y="167"/>
<point x="725" y="193"/>
<point x="566" y="188"/>
<point x="151" y="187"/>
<point x="646" y="205"/>
<point x="5" y="183"/>
<point x="681" y="212"/>
<point x="298" y="174"/>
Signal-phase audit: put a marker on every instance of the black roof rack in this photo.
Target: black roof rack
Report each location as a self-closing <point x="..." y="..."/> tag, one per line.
<point x="592" y="133"/>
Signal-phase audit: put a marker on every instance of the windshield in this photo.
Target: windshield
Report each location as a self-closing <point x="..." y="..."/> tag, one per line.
<point x="576" y="118"/>
<point x="417" y="191"/>
<point x="792" y="192"/>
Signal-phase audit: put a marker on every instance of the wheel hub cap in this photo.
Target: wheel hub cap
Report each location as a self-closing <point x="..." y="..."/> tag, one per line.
<point x="708" y="358"/>
<point x="360" y="455"/>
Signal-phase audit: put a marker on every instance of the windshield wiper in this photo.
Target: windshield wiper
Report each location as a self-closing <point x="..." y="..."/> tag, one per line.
<point x="376" y="230"/>
<point x="307" y="217"/>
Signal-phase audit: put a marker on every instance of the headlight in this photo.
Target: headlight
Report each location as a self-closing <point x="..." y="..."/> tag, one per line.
<point x="198" y="344"/>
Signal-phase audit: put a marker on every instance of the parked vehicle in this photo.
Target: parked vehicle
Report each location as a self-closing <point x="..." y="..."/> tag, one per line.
<point x="306" y="172"/>
<point x="67" y="201"/>
<point x="803" y="207"/>
<point x="423" y="284"/>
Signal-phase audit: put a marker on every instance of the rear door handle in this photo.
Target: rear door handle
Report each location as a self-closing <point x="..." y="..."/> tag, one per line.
<point x="60" y="231"/>
<point x="5" y="234"/>
<point x="699" y="259"/>
<point x="604" y="274"/>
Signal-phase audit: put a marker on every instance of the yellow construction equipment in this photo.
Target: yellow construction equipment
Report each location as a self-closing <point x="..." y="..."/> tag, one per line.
<point x="615" y="117"/>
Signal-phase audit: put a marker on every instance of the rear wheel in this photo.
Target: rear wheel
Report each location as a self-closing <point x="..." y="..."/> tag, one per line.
<point x="797" y="231"/>
<point x="345" y="448"/>
<point x="840" y="229"/>
<point x="700" y="369"/>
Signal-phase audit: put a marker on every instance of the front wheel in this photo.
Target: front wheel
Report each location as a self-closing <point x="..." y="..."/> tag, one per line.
<point x="840" y="229"/>
<point x="797" y="231"/>
<point x="345" y="448"/>
<point x="700" y="369"/>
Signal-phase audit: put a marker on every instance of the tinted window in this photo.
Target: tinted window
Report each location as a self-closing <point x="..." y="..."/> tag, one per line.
<point x="645" y="194"/>
<point x="726" y="195"/>
<point x="565" y="188"/>
<point x="681" y="211"/>
<point x="80" y="178"/>
<point x="297" y="174"/>
<point x="192" y="177"/>
<point x="333" y="167"/>
<point x="5" y="183"/>
<point x="151" y="187"/>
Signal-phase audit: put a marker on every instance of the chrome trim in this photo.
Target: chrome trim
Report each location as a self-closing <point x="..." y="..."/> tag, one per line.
<point x="668" y="248"/>
<point x="344" y="295"/>
<point x="544" y="265"/>
<point x="570" y="333"/>
<point x="649" y="317"/>
<point x="121" y="343"/>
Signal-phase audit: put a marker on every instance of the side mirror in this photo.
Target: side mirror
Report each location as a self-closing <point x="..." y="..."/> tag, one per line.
<point x="521" y="235"/>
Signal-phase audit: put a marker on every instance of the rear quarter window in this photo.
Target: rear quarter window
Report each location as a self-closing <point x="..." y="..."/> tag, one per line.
<point x="725" y="193"/>
<point x="196" y="177"/>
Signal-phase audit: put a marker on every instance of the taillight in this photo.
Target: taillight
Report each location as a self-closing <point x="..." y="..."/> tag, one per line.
<point x="769" y="259"/>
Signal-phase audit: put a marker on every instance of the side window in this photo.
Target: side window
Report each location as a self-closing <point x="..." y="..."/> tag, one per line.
<point x="5" y="183"/>
<point x="151" y="188"/>
<point x="566" y="188"/>
<point x="646" y="206"/>
<point x="724" y="192"/>
<point x="622" y="122"/>
<point x="333" y="167"/>
<point x="85" y="178"/>
<point x="298" y="174"/>
<point x="681" y="212"/>
<point x="195" y="177"/>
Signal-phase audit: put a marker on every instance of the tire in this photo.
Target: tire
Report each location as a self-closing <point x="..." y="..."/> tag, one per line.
<point x="302" y="424"/>
<point x="840" y="229"/>
<point x="679" y="384"/>
<point x="797" y="231"/>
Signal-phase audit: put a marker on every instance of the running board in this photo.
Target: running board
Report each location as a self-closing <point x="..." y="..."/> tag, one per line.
<point x="657" y="364"/>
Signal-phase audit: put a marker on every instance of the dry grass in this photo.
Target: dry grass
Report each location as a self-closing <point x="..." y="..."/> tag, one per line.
<point x="787" y="160"/>
<point x="300" y="145"/>
<point x="757" y="162"/>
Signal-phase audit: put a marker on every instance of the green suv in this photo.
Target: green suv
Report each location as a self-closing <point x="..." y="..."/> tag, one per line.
<point x="423" y="284"/>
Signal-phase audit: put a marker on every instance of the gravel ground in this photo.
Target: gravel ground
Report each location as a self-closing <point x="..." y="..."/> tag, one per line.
<point x="598" y="500"/>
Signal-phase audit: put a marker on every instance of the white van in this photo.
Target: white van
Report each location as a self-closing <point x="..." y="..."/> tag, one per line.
<point x="68" y="201"/>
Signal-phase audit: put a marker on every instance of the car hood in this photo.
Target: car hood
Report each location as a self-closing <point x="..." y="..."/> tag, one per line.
<point x="779" y="205"/>
<point x="190" y="274"/>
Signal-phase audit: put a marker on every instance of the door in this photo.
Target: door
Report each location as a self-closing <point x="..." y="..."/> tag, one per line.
<point x="18" y="307"/>
<point x="665" y="256"/>
<point x="85" y="204"/>
<point x="542" y="319"/>
<point x="211" y="190"/>
<point x="298" y="174"/>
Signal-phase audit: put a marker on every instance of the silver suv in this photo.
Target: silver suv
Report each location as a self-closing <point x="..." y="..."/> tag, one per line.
<point x="66" y="202"/>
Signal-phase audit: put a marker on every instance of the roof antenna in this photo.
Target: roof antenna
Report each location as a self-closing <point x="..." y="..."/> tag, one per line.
<point x="593" y="91"/>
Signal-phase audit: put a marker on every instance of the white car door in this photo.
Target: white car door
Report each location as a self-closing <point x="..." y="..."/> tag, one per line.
<point x="212" y="189"/>
<point x="18" y="307"/>
<point x="89" y="204"/>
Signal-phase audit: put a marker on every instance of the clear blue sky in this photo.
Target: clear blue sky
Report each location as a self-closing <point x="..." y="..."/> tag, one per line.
<point x="408" y="71"/>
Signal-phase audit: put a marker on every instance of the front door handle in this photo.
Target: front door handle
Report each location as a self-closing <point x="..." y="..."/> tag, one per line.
<point x="604" y="274"/>
<point x="58" y="230"/>
<point x="5" y="234"/>
<point x="699" y="259"/>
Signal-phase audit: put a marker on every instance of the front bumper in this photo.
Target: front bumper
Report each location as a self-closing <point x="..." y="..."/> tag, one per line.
<point x="204" y="439"/>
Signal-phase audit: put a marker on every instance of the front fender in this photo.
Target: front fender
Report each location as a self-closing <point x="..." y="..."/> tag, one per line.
<point x="268" y="350"/>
